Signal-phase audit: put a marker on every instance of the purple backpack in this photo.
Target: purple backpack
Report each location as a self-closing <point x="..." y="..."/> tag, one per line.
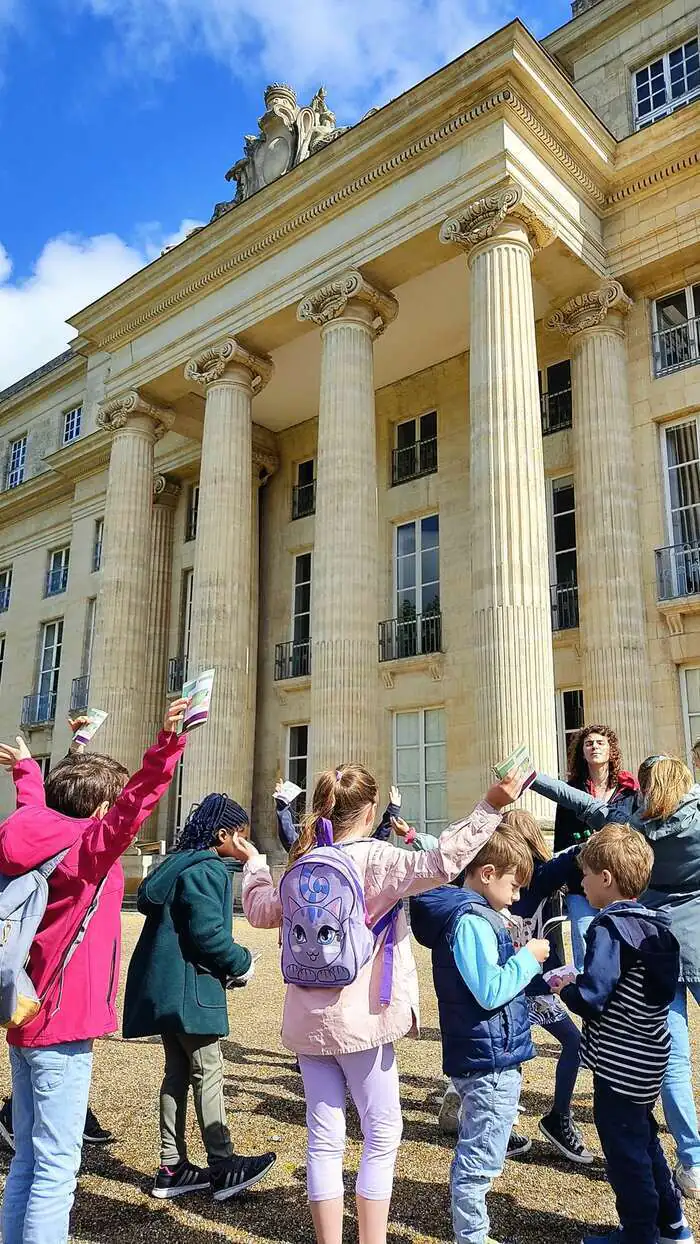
<point x="326" y="934"/>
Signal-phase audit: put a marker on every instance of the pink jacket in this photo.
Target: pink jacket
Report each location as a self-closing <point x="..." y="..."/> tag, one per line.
<point x="340" y="1021"/>
<point x="79" y="1003"/>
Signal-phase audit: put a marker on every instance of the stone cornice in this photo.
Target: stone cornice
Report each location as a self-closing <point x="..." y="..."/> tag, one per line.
<point x="481" y="218"/>
<point x="83" y="457"/>
<point x="116" y="413"/>
<point x="589" y="310"/>
<point x="213" y="363"/>
<point x="330" y="301"/>
<point x="650" y="180"/>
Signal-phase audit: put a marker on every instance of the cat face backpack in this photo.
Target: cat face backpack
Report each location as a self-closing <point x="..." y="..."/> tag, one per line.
<point x="326" y="934"/>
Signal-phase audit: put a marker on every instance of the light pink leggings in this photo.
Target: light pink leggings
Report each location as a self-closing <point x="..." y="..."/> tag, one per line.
<point x="373" y="1080"/>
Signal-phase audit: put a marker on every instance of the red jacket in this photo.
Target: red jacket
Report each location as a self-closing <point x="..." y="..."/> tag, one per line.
<point x="79" y="1003"/>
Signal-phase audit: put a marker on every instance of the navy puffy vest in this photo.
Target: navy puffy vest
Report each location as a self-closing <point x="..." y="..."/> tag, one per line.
<point x="473" y="1040"/>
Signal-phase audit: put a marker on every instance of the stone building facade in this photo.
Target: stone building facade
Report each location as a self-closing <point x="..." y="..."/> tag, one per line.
<point x="404" y="442"/>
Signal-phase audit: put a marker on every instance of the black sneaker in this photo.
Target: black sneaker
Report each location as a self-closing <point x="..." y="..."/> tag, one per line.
<point x="518" y="1145"/>
<point x="94" y="1133"/>
<point x="561" y="1131"/>
<point x="234" y="1176"/>
<point x="179" y="1180"/>
<point x="6" y="1124"/>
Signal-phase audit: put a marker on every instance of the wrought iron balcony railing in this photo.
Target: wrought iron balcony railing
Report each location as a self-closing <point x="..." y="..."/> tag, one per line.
<point x="415" y="460"/>
<point x="293" y="659"/>
<point x="564" y="602"/>
<point x="410" y="637"/>
<point x="177" y="674"/>
<point x="675" y="348"/>
<point x="79" y="693"/>
<point x="304" y="500"/>
<point x="56" y="581"/>
<point x="555" y="410"/>
<point x="39" y="709"/>
<point x="678" y="571"/>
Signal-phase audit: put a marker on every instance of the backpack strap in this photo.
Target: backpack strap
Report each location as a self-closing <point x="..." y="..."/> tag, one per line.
<point x="387" y="921"/>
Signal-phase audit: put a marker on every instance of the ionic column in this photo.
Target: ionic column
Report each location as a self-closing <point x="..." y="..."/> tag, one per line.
<point x="344" y="707"/>
<point x="118" y="679"/>
<point x="508" y="523"/>
<point x="165" y="496"/>
<point x="217" y="757"/>
<point x="611" y="604"/>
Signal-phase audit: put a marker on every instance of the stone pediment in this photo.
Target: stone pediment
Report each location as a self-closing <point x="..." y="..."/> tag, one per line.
<point x="288" y="134"/>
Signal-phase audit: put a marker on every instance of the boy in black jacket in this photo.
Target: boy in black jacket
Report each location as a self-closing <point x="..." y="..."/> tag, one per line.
<point x="629" y="978"/>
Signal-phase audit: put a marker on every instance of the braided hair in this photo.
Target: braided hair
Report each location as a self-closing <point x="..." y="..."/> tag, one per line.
<point x="205" y="819"/>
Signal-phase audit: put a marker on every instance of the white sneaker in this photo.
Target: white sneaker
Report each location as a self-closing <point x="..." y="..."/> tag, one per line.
<point x="688" y="1180"/>
<point x="448" y="1118"/>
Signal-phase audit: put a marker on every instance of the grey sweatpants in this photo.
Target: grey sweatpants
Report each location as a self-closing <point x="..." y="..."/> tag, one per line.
<point x="198" y="1061"/>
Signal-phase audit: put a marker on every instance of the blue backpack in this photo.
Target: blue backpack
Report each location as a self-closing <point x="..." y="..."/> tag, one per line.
<point x="326" y="934"/>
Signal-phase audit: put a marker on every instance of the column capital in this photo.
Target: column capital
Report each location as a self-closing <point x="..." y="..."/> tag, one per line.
<point x="479" y="220"/>
<point x="589" y="310"/>
<point x="119" y="411"/>
<point x="166" y="490"/>
<point x="330" y="301"/>
<point x="212" y="364"/>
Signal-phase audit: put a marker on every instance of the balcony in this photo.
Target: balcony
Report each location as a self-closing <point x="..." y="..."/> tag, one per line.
<point x="303" y="500"/>
<point x="293" y="659"/>
<point x="410" y="637"/>
<point x="79" y="694"/>
<point x="4" y="599"/>
<point x="415" y="460"/>
<point x="38" y="710"/>
<point x="56" y="581"/>
<point x="177" y="675"/>
<point x="676" y="348"/>
<point x="678" y="571"/>
<point x="555" y="410"/>
<point x="564" y="603"/>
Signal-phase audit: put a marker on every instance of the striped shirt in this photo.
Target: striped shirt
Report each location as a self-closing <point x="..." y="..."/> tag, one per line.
<point x="628" y="1045"/>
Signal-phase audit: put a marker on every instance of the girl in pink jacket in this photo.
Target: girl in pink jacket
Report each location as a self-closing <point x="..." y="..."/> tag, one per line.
<point x="91" y="812"/>
<point x="343" y="1037"/>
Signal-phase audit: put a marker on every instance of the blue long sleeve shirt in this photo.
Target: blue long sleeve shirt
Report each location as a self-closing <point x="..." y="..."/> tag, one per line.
<point x="476" y="955"/>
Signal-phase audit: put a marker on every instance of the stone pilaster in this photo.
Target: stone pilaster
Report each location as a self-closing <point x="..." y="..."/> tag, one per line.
<point x="508" y="523"/>
<point x="344" y="711"/>
<point x="118" y="679"/>
<point x="165" y="497"/>
<point x="217" y="755"/>
<point x="611" y="603"/>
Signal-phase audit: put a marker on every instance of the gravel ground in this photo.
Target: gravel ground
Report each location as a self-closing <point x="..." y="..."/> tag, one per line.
<point x="540" y="1199"/>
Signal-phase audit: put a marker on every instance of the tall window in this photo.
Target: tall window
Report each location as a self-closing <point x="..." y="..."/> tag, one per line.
<point x="304" y="491"/>
<point x="98" y="537"/>
<point x="5" y="588"/>
<point x="570" y="720"/>
<point x="298" y="759"/>
<point x="57" y="576"/>
<point x="555" y="396"/>
<point x="16" y="461"/>
<point x="49" y="669"/>
<point x="71" y="424"/>
<point x="678" y="564"/>
<point x="89" y="635"/>
<point x="301" y="616"/>
<point x="676" y="327"/>
<point x="690" y="699"/>
<point x="420" y="769"/>
<point x="415" y="448"/>
<point x="666" y="84"/>
<point x="192" y="512"/>
<point x="418" y="623"/>
<point x="2" y="654"/>
<point x="178" y="666"/>
<point x="564" y="592"/>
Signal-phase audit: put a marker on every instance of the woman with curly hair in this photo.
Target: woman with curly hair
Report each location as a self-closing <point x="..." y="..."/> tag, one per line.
<point x="595" y="765"/>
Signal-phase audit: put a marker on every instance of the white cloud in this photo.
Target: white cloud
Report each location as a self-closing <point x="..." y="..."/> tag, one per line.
<point x="70" y="272"/>
<point x="364" y="51"/>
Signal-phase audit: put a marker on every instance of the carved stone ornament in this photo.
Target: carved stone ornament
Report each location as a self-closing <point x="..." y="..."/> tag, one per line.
<point x="288" y="135"/>
<point x="480" y="219"/>
<point x="212" y="363"/>
<point x="165" y="490"/>
<point x="330" y="301"/>
<point x="116" y="413"/>
<point x="589" y="310"/>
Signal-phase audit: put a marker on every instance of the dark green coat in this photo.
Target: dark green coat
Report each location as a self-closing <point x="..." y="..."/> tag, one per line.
<point x="186" y="952"/>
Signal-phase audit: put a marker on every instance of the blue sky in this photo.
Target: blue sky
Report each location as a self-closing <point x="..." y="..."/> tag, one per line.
<point x="119" y="118"/>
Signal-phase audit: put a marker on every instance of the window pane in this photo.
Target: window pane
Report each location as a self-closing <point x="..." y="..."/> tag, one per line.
<point x="562" y="497"/>
<point x="573" y="709"/>
<point x="305" y="472"/>
<point x="671" y="311"/>
<point x="302" y="598"/>
<point x="428" y="426"/>
<point x="435" y="725"/>
<point x="564" y="532"/>
<point x="436" y="802"/>
<point x="406" y="729"/>
<point x="430" y="531"/>
<point x="406" y="539"/>
<point x="406" y="573"/>
<point x="410" y="804"/>
<point x="559" y="377"/>
<point x="407" y="765"/>
<point x="692" y="687"/>
<point x="430" y="567"/>
<point x="303" y="568"/>
<point x="406" y="434"/>
<point x="435" y="762"/>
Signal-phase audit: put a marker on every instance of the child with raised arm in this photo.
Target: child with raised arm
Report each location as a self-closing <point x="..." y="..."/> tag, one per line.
<point x="343" y="1035"/>
<point x="92" y="811"/>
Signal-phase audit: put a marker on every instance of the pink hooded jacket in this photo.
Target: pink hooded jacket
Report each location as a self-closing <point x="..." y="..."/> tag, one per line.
<point x="79" y="1003"/>
<point x="341" y="1021"/>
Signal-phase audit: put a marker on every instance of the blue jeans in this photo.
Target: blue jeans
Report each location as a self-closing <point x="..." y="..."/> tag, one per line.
<point x="677" y="1089"/>
<point x="580" y="914"/>
<point x="50" y="1088"/>
<point x="489" y="1106"/>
